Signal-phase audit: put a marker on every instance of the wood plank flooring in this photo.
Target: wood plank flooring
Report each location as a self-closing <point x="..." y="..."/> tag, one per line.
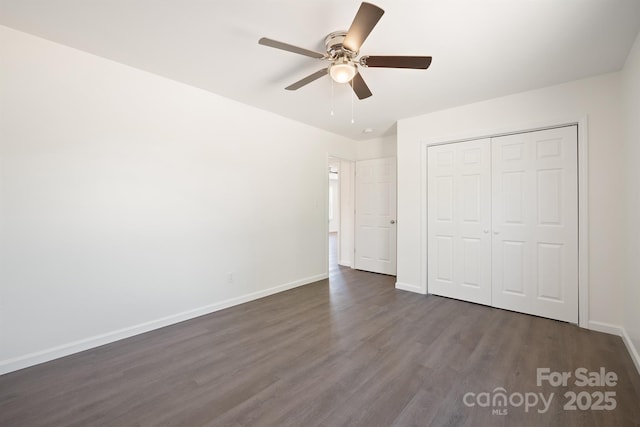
<point x="348" y="351"/>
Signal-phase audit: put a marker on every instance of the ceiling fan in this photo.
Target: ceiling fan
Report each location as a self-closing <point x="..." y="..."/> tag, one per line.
<point x="342" y="52"/>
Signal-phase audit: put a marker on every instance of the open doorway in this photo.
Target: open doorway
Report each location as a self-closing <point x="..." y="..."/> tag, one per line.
<point x="340" y="212"/>
<point x="334" y="212"/>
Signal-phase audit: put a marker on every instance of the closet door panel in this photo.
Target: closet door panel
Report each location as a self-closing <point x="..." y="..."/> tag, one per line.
<point x="535" y="223"/>
<point x="459" y="218"/>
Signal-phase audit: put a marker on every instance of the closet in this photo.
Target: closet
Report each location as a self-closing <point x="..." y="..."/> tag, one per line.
<point x="502" y="218"/>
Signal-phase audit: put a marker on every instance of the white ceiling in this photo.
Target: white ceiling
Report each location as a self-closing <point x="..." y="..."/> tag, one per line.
<point x="481" y="48"/>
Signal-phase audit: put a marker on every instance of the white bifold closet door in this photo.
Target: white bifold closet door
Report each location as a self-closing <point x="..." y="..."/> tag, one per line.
<point x="459" y="220"/>
<point x="503" y="222"/>
<point x="535" y="223"/>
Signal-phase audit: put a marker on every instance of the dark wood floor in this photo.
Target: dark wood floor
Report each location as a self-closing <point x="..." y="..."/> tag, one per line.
<point x="351" y="350"/>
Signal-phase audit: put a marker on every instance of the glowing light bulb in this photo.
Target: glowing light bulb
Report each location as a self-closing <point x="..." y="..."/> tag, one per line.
<point x="342" y="71"/>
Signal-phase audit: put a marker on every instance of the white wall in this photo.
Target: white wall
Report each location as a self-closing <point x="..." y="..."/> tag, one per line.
<point x="127" y="199"/>
<point x="377" y="148"/>
<point x="598" y="98"/>
<point x="631" y="278"/>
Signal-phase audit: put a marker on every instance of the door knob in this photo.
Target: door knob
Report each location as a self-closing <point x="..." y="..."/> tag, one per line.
<point x="393" y="221"/>
<point x="485" y="231"/>
<point x="496" y="232"/>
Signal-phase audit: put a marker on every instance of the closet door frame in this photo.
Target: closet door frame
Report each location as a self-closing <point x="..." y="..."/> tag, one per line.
<point x="583" y="200"/>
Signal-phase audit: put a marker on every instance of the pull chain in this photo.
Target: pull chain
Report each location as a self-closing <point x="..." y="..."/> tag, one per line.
<point x="352" y="96"/>
<point x="332" y="97"/>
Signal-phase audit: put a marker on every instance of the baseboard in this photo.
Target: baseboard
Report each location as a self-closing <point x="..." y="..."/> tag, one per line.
<point x="621" y="332"/>
<point x="607" y="328"/>
<point x="345" y="263"/>
<point x="42" y="356"/>
<point x="633" y="351"/>
<point x="408" y="287"/>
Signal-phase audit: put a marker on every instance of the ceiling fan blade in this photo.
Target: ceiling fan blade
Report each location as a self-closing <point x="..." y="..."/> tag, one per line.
<point x="418" y="62"/>
<point x="290" y="48"/>
<point x="366" y="18"/>
<point x="315" y="76"/>
<point x="360" y="87"/>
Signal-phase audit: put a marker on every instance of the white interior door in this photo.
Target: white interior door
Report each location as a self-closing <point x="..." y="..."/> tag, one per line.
<point x="535" y="223"/>
<point x="375" y="248"/>
<point x="459" y="220"/>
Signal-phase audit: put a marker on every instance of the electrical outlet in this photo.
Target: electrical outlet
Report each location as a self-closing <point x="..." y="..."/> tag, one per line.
<point x="229" y="277"/>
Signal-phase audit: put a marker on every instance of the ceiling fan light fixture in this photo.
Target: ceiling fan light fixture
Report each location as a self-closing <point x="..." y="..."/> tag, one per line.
<point x="343" y="48"/>
<point x="342" y="71"/>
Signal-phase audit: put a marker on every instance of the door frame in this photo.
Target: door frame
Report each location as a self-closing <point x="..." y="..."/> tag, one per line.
<point x="583" y="196"/>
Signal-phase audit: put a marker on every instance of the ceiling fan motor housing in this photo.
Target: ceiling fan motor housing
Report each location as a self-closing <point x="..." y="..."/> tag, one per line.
<point x="335" y="49"/>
